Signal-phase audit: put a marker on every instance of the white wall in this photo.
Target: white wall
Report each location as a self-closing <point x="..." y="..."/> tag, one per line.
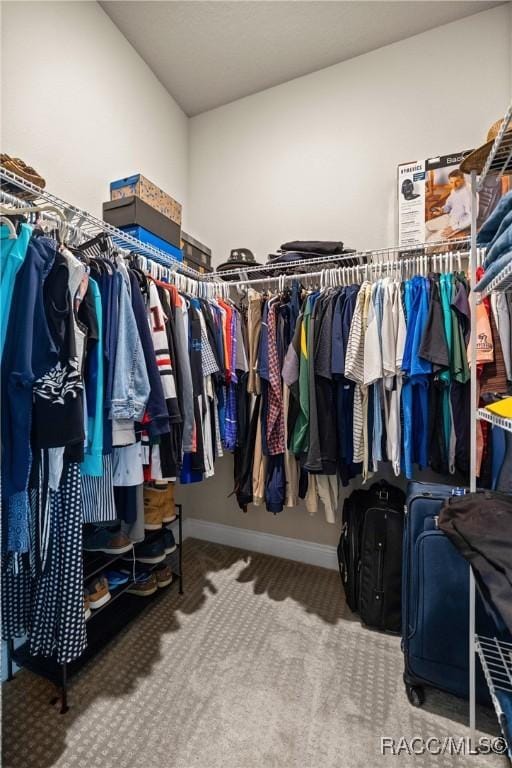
<point x="81" y="106"/>
<point x="316" y="157"/>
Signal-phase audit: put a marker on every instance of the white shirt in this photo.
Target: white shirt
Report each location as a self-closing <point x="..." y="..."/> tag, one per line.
<point x="458" y="205"/>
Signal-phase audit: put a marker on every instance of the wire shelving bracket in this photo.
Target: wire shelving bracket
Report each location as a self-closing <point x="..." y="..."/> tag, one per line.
<point x="497" y="421"/>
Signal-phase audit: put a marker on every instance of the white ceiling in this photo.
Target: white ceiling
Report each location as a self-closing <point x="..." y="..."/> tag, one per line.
<point x="210" y="53"/>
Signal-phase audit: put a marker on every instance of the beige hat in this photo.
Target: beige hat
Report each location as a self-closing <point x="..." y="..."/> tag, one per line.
<point x="475" y="161"/>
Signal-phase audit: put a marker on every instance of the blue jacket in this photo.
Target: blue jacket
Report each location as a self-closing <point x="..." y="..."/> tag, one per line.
<point x="130" y="385"/>
<point x="28" y="354"/>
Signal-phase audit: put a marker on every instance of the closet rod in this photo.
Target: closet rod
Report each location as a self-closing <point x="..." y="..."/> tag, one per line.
<point x="331" y="276"/>
<point x="89" y="224"/>
<point x="361" y="256"/>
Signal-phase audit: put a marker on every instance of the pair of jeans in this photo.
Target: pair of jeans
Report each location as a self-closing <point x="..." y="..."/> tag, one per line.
<point x="130" y="382"/>
<point x="490" y="227"/>
<point x="501" y="241"/>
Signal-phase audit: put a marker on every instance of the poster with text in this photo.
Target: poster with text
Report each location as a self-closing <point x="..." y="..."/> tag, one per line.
<point x="447" y="198"/>
<point x="411" y="203"/>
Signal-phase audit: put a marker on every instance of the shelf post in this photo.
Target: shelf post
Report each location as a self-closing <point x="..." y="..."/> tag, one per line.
<point x="472" y="476"/>
<point x="180" y="548"/>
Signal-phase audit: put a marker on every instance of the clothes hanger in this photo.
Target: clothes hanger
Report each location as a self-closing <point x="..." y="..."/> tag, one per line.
<point x="5" y="211"/>
<point x="13" y="235"/>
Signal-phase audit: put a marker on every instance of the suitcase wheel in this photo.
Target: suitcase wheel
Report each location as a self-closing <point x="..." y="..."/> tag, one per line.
<point x="415" y="694"/>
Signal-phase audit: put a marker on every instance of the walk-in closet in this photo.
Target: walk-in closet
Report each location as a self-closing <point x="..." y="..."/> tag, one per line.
<point x="256" y="384"/>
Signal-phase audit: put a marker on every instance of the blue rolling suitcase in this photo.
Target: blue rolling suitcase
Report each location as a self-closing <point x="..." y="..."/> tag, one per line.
<point x="435" y="602"/>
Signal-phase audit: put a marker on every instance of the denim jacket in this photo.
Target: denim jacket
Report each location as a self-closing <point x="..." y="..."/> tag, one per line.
<point x="131" y="388"/>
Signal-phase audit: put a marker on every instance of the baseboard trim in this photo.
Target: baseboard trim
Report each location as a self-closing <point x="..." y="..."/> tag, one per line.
<point x="309" y="552"/>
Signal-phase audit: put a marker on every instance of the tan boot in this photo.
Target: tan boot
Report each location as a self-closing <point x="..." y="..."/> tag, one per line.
<point x="169" y="513"/>
<point x="153" y="511"/>
<point x="159" y="505"/>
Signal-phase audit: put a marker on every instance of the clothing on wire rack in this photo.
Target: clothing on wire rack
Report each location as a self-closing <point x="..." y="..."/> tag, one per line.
<point x="111" y="378"/>
<point x="389" y="358"/>
<point x="496" y="235"/>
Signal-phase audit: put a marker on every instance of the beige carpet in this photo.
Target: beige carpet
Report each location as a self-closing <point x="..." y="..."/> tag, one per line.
<point x="259" y="665"/>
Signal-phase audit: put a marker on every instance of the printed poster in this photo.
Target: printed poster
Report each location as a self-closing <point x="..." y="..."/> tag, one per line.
<point x="447" y="198"/>
<point x="411" y="203"/>
<point x="434" y="200"/>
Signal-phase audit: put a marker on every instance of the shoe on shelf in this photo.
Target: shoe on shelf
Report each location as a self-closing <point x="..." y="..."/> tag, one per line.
<point x="170" y="507"/>
<point x="87" y="605"/>
<point x="152" y="519"/>
<point x="99" y="594"/>
<point x="169" y="542"/>
<point x="150" y="552"/>
<point x="103" y="540"/>
<point x="163" y="575"/>
<point x="145" y="584"/>
<point x="116" y="578"/>
<point x="159" y="499"/>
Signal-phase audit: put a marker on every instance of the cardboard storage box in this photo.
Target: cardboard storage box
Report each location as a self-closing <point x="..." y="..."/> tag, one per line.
<point x="201" y="268"/>
<point x="128" y="211"/>
<point x="195" y="252"/>
<point x="148" y="237"/>
<point x="155" y="197"/>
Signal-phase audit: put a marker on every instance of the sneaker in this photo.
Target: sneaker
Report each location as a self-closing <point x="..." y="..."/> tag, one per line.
<point x="159" y="504"/>
<point x="116" y="578"/>
<point x="169" y="542"/>
<point x="163" y="575"/>
<point x="87" y="606"/>
<point x="145" y="584"/>
<point x="151" y="552"/>
<point x="103" y="540"/>
<point x="98" y="592"/>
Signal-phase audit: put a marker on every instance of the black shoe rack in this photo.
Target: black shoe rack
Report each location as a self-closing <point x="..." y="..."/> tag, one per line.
<point x="122" y="608"/>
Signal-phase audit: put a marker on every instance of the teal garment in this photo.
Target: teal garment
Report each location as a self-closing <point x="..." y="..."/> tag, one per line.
<point x="93" y="455"/>
<point x="299" y="442"/>
<point x="446" y="290"/>
<point x="12" y="255"/>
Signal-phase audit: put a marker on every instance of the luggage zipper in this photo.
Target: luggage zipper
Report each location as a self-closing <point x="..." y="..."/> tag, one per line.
<point x="380" y="571"/>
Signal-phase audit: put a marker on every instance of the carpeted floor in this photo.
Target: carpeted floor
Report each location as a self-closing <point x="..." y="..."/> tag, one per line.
<point x="259" y="665"/>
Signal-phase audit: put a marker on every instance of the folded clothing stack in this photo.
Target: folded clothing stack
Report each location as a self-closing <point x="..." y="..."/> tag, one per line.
<point x="496" y="235"/>
<point x="297" y="250"/>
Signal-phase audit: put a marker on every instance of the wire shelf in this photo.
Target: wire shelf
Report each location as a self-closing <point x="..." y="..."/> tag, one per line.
<point x="497" y="421"/>
<point x="499" y="161"/>
<point x="354" y="258"/>
<point x="85" y="223"/>
<point x="502" y="282"/>
<point x="496" y="658"/>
